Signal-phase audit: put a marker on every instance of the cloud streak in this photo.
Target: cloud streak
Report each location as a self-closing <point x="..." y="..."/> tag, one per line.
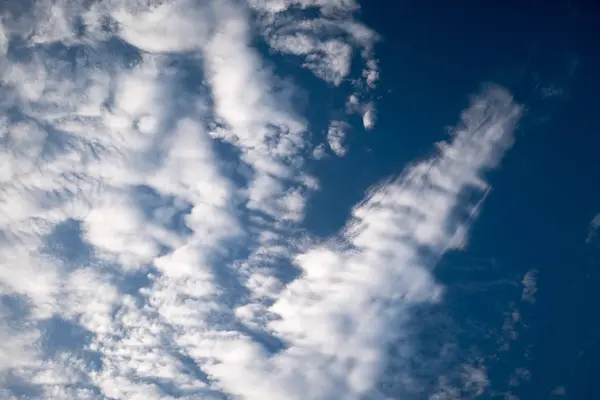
<point x="151" y="205"/>
<point x="593" y="228"/>
<point x="356" y="288"/>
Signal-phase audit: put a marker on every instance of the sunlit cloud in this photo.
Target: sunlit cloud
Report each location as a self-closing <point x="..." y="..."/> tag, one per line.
<point x="153" y="189"/>
<point x="336" y="136"/>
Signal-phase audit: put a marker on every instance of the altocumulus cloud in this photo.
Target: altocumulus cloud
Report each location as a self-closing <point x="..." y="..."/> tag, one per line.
<point x="151" y="194"/>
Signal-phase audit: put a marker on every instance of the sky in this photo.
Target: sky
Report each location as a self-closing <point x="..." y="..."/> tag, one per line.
<point x="298" y="199"/>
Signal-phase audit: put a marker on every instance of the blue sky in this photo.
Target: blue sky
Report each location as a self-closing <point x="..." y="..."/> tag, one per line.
<point x="292" y="199"/>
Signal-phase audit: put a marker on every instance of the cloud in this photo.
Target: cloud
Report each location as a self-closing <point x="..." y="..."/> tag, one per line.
<point x="336" y="318"/>
<point x="151" y="213"/>
<point x="169" y="27"/>
<point x="369" y="117"/>
<point x="317" y="39"/>
<point x="529" y="286"/>
<point x="3" y="40"/>
<point x="593" y="228"/>
<point x="365" y="109"/>
<point x="336" y="135"/>
<point x="558" y="391"/>
<point x="319" y="152"/>
<point x="327" y="42"/>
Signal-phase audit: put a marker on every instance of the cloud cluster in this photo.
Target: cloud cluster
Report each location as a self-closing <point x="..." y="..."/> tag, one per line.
<point x="336" y="135"/>
<point x="151" y="194"/>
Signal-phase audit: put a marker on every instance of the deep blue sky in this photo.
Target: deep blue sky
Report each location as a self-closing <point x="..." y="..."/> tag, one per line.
<point x="546" y="192"/>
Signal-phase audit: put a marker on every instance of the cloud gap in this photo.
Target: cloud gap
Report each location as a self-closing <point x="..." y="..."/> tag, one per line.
<point x="65" y="242"/>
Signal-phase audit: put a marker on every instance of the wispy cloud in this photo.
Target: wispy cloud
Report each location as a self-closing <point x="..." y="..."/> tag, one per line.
<point x="593" y="228"/>
<point x="151" y="195"/>
<point x="469" y="357"/>
<point x="558" y="391"/>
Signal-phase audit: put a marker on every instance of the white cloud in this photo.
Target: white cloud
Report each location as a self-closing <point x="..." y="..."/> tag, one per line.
<point x="369" y="118"/>
<point x="529" y="286"/>
<point x="182" y="287"/>
<point x="593" y="228"/>
<point x="328" y="42"/>
<point x="168" y="27"/>
<point x="329" y="59"/>
<point x="336" y="135"/>
<point x="3" y="40"/>
<point x="319" y="152"/>
<point x="56" y="26"/>
<point x="367" y="110"/>
<point x="17" y="349"/>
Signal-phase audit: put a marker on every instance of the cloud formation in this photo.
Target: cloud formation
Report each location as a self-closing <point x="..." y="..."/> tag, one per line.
<point x="593" y="228"/>
<point x="151" y="195"/>
<point x="336" y="135"/>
